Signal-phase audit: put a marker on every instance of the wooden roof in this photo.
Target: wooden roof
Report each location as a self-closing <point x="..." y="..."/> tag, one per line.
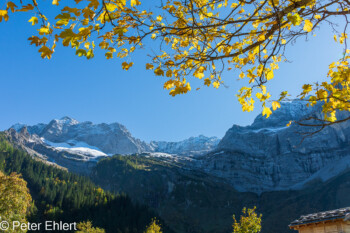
<point x="343" y="213"/>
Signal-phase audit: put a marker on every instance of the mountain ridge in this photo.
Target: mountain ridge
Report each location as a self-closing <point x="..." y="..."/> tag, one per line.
<point x="268" y="156"/>
<point x="113" y="138"/>
<point x="264" y="156"/>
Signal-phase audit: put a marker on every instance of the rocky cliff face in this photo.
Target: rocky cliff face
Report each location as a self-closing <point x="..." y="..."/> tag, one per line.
<point x="192" y="146"/>
<point x="193" y="201"/>
<point x="33" y="145"/>
<point x="109" y="138"/>
<point x="267" y="155"/>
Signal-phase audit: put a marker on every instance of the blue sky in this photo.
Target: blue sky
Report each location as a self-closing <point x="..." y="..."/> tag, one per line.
<point x="34" y="90"/>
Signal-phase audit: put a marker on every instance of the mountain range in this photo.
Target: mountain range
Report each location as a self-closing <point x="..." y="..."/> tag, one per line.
<point x="198" y="183"/>
<point x="107" y="139"/>
<point x="265" y="156"/>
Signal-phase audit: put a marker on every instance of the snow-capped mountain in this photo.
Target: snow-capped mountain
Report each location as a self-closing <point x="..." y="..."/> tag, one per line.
<point x="74" y="159"/>
<point x="264" y="156"/>
<point x="69" y="133"/>
<point x="94" y="140"/>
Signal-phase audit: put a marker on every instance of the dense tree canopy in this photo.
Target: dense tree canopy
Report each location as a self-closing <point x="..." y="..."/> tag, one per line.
<point x="86" y="227"/>
<point x="199" y="39"/>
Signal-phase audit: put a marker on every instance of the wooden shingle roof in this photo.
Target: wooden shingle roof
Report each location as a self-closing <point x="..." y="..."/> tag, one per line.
<point x="343" y="213"/>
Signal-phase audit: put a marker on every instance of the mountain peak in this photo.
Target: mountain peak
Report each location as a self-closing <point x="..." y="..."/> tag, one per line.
<point x="18" y="126"/>
<point x="67" y="120"/>
<point x="293" y="110"/>
<point x="113" y="138"/>
<point x="193" y="146"/>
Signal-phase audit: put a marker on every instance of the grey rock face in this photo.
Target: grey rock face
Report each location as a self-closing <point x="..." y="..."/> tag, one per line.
<point x="270" y="156"/>
<point x="264" y="156"/>
<point x="34" y="146"/>
<point x="114" y="138"/>
<point x="110" y="138"/>
<point x="192" y="146"/>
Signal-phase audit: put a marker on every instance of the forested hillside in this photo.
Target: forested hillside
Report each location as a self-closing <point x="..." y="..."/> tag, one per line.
<point x="60" y="195"/>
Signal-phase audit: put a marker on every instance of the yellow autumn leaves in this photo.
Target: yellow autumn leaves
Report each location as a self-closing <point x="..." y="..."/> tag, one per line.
<point x="126" y="65"/>
<point x="342" y="38"/>
<point x="10" y="7"/>
<point x="177" y="87"/>
<point x="4" y="15"/>
<point x="295" y="19"/>
<point x="335" y="93"/>
<point x="196" y="38"/>
<point x="307" y="25"/>
<point x="34" y="20"/>
<point x="192" y="46"/>
<point x="135" y="3"/>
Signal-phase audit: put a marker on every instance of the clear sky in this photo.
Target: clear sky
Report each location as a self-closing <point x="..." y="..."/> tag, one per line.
<point x="34" y="90"/>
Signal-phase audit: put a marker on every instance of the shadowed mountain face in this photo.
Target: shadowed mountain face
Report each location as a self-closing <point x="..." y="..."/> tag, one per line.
<point x="267" y="155"/>
<point x="193" y="201"/>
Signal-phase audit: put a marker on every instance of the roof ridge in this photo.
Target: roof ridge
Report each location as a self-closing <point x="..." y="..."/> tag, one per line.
<point x="341" y="213"/>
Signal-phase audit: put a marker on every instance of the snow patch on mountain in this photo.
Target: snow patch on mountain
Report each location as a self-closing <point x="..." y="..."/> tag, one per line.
<point x="67" y="121"/>
<point x="112" y="138"/>
<point x="74" y="147"/>
<point x="272" y="130"/>
<point x="108" y="138"/>
<point x="160" y="155"/>
<point x="82" y="151"/>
